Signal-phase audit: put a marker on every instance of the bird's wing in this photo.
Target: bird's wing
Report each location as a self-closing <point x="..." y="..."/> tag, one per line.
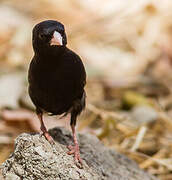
<point x="78" y="73"/>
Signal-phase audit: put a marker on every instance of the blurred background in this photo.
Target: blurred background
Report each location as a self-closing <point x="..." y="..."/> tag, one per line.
<point x="126" y="47"/>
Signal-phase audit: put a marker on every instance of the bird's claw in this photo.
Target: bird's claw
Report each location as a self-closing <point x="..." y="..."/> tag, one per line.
<point x="75" y="150"/>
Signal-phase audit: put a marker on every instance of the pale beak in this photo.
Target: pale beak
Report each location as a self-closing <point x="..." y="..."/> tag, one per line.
<point x="56" y="39"/>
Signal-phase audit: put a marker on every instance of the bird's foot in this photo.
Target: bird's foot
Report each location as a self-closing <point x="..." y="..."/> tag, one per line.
<point x="75" y="150"/>
<point x="48" y="137"/>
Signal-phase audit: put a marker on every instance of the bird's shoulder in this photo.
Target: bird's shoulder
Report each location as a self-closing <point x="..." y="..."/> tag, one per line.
<point x="74" y="62"/>
<point x="71" y="57"/>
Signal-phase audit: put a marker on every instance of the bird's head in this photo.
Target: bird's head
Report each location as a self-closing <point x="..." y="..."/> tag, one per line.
<point x="49" y="34"/>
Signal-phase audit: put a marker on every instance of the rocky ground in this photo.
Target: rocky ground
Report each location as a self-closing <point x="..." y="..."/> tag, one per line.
<point x="34" y="158"/>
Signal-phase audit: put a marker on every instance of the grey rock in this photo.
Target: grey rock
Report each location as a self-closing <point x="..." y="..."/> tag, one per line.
<point x="25" y="100"/>
<point x="11" y="176"/>
<point x="35" y="158"/>
<point x="11" y="88"/>
<point x="142" y="114"/>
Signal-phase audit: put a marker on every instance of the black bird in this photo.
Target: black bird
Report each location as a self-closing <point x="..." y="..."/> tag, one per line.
<point x="56" y="78"/>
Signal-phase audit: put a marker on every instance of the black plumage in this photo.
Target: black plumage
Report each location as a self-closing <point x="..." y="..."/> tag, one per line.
<point x="56" y="77"/>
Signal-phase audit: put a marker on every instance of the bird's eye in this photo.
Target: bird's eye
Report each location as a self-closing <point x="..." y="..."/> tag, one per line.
<point x="61" y="31"/>
<point x="42" y="36"/>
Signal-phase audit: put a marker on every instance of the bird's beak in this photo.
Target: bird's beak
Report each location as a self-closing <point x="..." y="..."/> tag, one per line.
<point x="56" y="39"/>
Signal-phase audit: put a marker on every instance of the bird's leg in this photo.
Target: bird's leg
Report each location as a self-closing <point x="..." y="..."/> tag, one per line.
<point x="43" y="128"/>
<point x="75" y="149"/>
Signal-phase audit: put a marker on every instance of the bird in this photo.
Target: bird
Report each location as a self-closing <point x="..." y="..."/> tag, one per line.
<point x="57" y="78"/>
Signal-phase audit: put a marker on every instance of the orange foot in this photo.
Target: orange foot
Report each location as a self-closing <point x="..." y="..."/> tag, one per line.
<point x="75" y="150"/>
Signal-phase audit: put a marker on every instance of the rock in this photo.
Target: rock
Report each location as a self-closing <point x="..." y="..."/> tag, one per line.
<point x="142" y="114"/>
<point x="34" y="158"/>
<point x="12" y="85"/>
<point x="25" y="100"/>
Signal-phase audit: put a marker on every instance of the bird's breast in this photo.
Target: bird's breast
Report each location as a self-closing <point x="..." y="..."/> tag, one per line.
<point x="52" y="88"/>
